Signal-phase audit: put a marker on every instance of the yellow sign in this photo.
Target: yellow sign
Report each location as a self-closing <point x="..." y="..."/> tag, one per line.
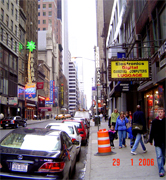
<point x="129" y="69"/>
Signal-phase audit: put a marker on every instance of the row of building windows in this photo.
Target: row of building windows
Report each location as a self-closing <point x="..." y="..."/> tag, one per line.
<point x="8" y="59"/>
<point x="6" y="38"/>
<point x="44" y="6"/>
<point x="45" y="13"/>
<point x="44" y="21"/>
<point x="7" y="22"/>
<point x="12" y="12"/>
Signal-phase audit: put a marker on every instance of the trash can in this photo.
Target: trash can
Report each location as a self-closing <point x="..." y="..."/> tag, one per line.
<point x="97" y="120"/>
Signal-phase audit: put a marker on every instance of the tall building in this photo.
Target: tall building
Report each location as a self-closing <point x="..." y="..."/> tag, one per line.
<point x="9" y="43"/>
<point x="65" y="38"/>
<point x="73" y="88"/>
<point x="30" y="8"/>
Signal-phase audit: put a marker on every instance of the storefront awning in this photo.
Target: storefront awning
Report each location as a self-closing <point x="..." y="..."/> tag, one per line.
<point x="45" y="109"/>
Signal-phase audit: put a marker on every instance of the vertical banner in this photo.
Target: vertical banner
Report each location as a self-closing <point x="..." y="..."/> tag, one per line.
<point x="56" y="96"/>
<point x="51" y="90"/>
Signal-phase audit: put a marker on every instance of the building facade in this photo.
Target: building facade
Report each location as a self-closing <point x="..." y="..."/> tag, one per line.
<point x="73" y="89"/>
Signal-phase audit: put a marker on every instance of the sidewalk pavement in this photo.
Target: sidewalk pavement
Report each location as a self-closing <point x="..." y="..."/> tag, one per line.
<point x="121" y="164"/>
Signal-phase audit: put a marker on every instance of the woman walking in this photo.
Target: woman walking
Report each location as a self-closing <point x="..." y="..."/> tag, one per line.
<point x="121" y="128"/>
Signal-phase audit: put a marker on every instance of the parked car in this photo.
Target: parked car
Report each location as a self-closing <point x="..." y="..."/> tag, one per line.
<point x="83" y="114"/>
<point x="37" y="153"/>
<point x="80" y="127"/>
<point x="85" y="121"/>
<point x="71" y="130"/>
<point x="13" y="122"/>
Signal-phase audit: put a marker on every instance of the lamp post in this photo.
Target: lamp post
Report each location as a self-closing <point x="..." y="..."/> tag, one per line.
<point x="97" y="76"/>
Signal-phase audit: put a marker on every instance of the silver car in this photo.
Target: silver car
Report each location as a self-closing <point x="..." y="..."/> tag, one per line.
<point x="71" y="130"/>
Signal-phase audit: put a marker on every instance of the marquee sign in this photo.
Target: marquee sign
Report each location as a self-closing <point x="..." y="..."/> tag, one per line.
<point x="129" y="69"/>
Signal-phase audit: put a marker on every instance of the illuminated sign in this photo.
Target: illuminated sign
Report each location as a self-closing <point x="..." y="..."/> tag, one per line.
<point x="62" y="97"/>
<point x="51" y="94"/>
<point x="21" y="93"/>
<point x="31" y="77"/>
<point x="30" y="90"/>
<point x="120" y="70"/>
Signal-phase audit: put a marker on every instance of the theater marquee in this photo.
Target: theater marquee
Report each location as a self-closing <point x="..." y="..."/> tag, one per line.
<point x="128" y="69"/>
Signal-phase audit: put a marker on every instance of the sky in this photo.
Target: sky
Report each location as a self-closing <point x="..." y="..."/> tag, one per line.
<point x="82" y="39"/>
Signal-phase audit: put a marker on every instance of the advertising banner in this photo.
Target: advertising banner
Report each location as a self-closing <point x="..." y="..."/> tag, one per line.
<point x="30" y="90"/>
<point x="40" y="85"/>
<point x="51" y="94"/>
<point x="132" y="70"/>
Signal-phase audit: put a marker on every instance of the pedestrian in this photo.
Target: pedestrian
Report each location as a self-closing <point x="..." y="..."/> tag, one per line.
<point x="157" y="134"/>
<point x="112" y="120"/>
<point x="112" y="132"/>
<point x="121" y="128"/>
<point x="139" y="119"/>
<point x="101" y="117"/>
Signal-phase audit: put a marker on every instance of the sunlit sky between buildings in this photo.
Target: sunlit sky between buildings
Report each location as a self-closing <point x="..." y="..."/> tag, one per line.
<point x="82" y="39"/>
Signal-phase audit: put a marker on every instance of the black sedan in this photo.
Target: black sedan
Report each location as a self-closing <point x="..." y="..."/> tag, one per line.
<point x="37" y="153"/>
<point x="13" y="122"/>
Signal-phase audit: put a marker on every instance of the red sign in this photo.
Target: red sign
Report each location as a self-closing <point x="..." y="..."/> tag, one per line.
<point x="40" y="85"/>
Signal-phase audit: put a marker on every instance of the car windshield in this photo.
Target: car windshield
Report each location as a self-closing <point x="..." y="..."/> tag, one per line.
<point x="77" y="124"/>
<point x="10" y="117"/>
<point x="32" y="142"/>
<point x="68" y="129"/>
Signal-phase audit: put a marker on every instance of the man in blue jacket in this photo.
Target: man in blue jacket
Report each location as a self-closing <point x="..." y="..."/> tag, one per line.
<point x="139" y="118"/>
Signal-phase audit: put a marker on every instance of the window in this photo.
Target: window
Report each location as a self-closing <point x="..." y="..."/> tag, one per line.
<point x="44" y="6"/>
<point x="50" y="21"/>
<point x="12" y="9"/>
<point x="7" y="20"/>
<point x="44" y="21"/>
<point x="11" y="43"/>
<point x="15" y="63"/>
<point x="2" y="14"/>
<point x="162" y="21"/>
<point x="38" y="21"/>
<point x="6" y="57"/>
<point x="11" y="25"/>
<point x="44" y="29"/>
<point x="16" y="14"/>
<point x="50" y="13"/>
<point x="38" y="6"/>
<point x="38" y="13"/>
<point x="7" y="4"/>
<point x="1" y="34"/>
<point x="15" y="30"/>
<point x="50" y="5"/>
<point x="15" y="47"/>
<point x="7" y="36"/>
<point x="44" y="13"/>
<point x="38" y="29"/>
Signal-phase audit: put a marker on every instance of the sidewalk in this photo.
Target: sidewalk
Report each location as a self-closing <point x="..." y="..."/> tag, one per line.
<point x="118" y="165"/>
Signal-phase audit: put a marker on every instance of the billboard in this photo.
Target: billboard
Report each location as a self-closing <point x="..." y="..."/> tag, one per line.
<point x="30" y="90"/>
<point x="128" y="69"/>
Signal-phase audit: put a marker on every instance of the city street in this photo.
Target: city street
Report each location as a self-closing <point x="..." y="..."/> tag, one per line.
<point x="80" y="166"/>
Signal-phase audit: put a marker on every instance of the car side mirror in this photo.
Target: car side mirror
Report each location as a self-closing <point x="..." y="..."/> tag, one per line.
<point x="75" y="142"/>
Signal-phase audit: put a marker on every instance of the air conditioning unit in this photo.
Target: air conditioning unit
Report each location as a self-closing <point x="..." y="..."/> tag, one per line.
<point x="138" y="37"/>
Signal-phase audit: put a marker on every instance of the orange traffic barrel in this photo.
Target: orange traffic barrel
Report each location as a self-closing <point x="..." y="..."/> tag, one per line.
<point x="103" y="141"/>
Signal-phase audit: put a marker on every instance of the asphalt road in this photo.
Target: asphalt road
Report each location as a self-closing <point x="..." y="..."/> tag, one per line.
<point x="80" y="166"/>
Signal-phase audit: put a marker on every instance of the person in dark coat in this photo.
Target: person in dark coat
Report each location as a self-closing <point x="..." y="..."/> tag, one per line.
<point x="157" y="134"/>
<point x="139" y="118"/>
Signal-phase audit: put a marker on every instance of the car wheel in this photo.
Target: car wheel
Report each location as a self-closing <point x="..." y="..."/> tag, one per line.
<point x="74" y="169"/>
<point x="16" y="126"/>
<point x="4" y="127"/>
<point x="24" y="125"/>
<point x="78" y="155"/>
